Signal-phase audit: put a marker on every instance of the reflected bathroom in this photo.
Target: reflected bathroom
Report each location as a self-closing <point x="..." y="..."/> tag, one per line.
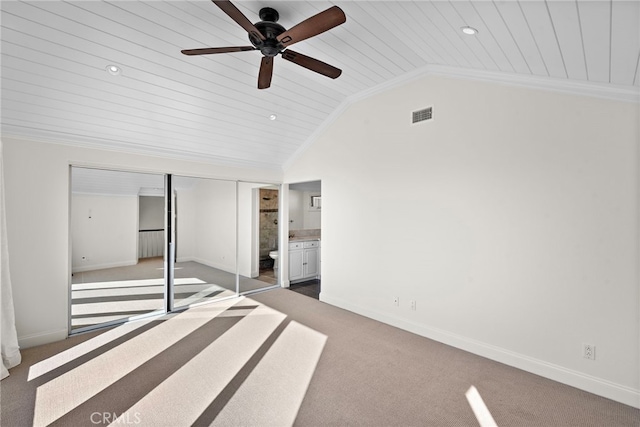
<point x="268" y="235"/>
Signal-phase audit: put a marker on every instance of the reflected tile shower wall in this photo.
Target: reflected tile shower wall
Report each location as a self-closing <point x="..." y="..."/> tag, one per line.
<point x="268" y="223"/>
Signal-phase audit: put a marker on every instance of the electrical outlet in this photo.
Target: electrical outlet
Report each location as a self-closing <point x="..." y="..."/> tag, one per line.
<point x="589" y="351"/>
<point x="413" y="305"/>
<point x="396" y="301"/>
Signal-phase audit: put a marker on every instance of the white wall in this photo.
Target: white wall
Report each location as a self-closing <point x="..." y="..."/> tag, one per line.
<point x="186" y="230"/>
<point x="312" y="217"/>
<point x="303" y="217"/>
<point x="207" y="225"/>
<point x="215" y="222"/>
<point x="38" y="208"/>
<point x="248" y="228"/>
<point x="151" y="210"/>
<point x="511" y="219"/>
<point x="104" y="231"/>
<point x="296" y="210"/>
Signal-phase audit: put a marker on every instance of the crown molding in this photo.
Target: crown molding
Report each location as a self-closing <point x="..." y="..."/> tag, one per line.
<point x="607" y="91"/>
<point x="582" y="88"/>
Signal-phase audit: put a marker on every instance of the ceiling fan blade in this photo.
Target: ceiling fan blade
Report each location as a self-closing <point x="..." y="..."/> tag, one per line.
<point x="235" y="14"/>
<point x="312" y="64"/>
<point x="266" y="71"/>
<point x="210" y="50"/>
<point x="313" y="26"/>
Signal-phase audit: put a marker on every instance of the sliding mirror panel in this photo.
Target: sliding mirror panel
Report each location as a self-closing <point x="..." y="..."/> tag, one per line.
<point x="258" y="205"/>
<point x="117" y="246"/>
<point x="205" y="240"/>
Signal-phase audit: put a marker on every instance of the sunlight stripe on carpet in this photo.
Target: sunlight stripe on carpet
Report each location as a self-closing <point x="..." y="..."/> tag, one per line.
<point x="187" y="285"/>
<point x="97" y="308"/>
<point x="274" y="391"/>
<point x="182" y="397"/>
<point x="117" y="284"/>
<point x="144" y="304"/>
<point x="199" y="296"/>
<point x="83" y="348"/>
<point x="480" y="410"/>
<point x="79" y="322"/>
<point x="66" y="392"/>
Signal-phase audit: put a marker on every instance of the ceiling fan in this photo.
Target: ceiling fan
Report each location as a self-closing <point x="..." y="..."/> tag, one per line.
<point x="271" y="39"/>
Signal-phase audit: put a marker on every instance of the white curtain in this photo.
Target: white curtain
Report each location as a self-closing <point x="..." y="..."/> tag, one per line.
<point x="8" y="335"/>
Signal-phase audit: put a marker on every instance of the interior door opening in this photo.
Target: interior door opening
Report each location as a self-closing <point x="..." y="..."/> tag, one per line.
<point x="305" y="238"/>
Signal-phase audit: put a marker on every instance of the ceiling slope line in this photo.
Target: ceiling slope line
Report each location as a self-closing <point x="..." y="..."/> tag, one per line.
<point x="606" y="91"/>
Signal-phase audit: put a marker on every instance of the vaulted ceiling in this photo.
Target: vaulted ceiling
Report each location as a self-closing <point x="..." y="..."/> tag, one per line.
<point x="56" y="87"/>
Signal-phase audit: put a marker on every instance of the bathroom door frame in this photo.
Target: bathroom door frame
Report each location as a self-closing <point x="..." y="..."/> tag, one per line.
<point x="284" y="231"/>
<point x="255" y="232"/>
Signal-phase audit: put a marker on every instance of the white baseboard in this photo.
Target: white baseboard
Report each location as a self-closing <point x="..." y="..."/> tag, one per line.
<point x="46" y="337"/>
<point x="103" y="266"/>
<point x="212" y="264"/>
<point x="598" y="386"/>
<point x="254" y="274"/>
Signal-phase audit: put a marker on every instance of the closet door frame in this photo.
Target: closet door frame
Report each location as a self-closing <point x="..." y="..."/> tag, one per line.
<point x="170" y="246"/>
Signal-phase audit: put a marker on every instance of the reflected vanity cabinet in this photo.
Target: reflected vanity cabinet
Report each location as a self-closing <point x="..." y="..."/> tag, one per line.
<point x="304" y="260"/>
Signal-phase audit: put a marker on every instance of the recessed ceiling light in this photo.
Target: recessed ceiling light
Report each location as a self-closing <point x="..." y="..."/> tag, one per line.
<point x="273" y="117"/>
<point x="114" y="70"/>
<point x="469" y="30"/>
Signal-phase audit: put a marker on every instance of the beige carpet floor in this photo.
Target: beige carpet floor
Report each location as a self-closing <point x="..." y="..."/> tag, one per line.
<point x="279" y="358"/>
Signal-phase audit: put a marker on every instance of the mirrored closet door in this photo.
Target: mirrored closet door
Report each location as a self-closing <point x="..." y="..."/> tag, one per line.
<point x="117" y="246"/>
<point x="258" y="237"/>
<point x="145" y="244"/>
<point x="205" y="229"/>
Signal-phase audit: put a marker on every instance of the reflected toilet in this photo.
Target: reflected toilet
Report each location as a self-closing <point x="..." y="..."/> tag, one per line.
<point x="274" y="256"/>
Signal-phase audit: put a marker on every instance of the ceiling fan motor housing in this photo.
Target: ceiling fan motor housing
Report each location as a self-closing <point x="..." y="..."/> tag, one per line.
<point x="269" y="14"/>
<point x="270" y="30"/>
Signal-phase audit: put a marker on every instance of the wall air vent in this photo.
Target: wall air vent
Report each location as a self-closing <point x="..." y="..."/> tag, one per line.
<point x="422" y="115"/>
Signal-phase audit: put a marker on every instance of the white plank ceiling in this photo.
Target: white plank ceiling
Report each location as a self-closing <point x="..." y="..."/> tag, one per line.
<point x="55" y="85"/>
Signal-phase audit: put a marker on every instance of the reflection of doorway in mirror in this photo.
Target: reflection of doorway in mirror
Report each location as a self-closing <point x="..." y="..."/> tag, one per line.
<point x="264" y="268"/>
<point x="258" y="209"/>
<point x="151" y="226"/>
<point x="268" y="223"/>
